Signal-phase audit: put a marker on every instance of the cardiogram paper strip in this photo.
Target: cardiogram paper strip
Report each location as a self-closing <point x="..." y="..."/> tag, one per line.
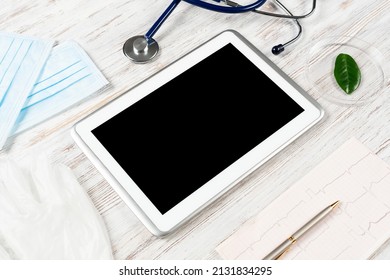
<point x="355" y="230"/>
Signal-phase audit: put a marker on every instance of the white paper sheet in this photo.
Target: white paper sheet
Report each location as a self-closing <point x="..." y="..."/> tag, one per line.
<point x="354" y="230"/>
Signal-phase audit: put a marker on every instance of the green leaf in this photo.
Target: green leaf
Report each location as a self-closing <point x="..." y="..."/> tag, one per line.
<point x="347" y="73"/>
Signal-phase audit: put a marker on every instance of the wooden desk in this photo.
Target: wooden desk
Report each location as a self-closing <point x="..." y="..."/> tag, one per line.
<point x="101" y="27"/>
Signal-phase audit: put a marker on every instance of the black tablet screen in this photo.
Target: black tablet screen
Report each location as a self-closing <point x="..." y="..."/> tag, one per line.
<point x="180" y="136"/>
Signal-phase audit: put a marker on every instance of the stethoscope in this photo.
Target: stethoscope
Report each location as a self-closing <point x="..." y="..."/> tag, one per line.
<point x="143" y="48"/>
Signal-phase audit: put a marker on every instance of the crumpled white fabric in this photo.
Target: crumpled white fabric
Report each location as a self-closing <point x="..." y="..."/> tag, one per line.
<point x="46" y="214"/>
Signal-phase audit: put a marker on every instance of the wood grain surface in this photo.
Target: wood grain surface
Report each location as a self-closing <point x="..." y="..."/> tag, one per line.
<point x="101" y="27"/>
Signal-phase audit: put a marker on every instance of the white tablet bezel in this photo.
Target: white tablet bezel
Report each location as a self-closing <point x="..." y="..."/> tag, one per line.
<point x="160" y="224"/>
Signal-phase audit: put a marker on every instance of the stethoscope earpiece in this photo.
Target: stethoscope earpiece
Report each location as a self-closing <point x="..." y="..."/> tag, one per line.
<point x="278" y="49"/>
<point x="139" y="49"/>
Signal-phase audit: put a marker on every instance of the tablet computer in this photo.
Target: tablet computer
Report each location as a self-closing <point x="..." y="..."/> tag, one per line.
<point x="177" y="141"/>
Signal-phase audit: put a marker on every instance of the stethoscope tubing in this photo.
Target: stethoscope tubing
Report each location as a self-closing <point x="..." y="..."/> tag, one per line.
<point x="204" y="5"/>
<point x="226" y="9"/>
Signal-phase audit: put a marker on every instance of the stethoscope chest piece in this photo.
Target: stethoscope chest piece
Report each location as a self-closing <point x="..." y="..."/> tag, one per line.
<point x="140" y="50"/>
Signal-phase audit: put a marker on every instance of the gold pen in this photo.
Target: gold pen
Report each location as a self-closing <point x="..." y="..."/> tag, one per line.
<point x="283" y="248"/>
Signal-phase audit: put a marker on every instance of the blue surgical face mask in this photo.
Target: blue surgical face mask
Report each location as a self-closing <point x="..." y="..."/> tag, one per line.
<point x="21" y="61"/>
<point x="68" y="77"/>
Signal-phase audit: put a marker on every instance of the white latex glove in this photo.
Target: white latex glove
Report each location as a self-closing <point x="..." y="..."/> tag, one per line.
<point x="3" y="254"/>
<point x="46" y="214"/>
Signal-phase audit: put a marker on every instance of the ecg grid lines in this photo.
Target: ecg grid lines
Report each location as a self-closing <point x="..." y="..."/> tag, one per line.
<point x="355" y="230"/>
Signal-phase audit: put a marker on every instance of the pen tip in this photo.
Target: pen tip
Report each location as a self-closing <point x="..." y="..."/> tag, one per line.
<point x="334" y="204"/>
